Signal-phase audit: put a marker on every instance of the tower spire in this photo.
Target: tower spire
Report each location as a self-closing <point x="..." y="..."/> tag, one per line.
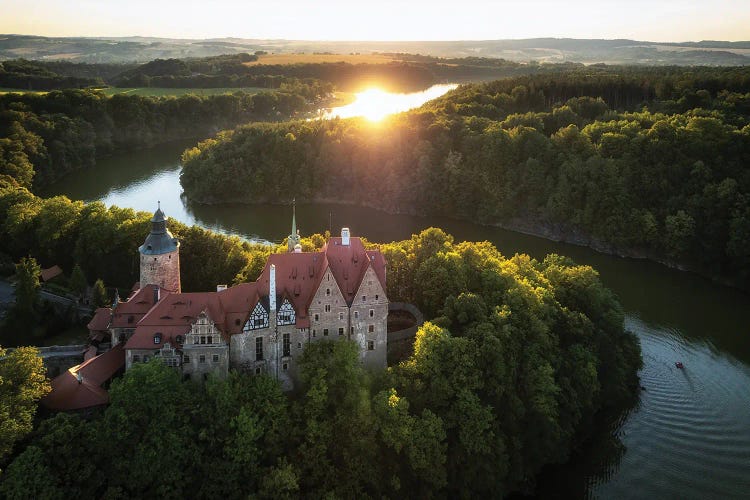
<point x="293" y="238"/>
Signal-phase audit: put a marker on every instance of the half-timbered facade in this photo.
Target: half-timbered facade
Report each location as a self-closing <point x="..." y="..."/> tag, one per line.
<point x="263" y="327"/>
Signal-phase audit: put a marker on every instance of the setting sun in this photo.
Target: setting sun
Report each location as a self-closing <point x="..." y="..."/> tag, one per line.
<point x="375" y="104"/>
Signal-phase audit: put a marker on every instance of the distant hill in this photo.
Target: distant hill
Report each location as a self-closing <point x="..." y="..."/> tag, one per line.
<point x="142" y="49"/>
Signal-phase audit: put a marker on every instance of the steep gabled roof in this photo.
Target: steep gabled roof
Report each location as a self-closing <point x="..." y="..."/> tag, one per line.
<point x="298" y="276"/>
<point x="174" y="315"/>
<point x="100" y="321"/>
<point x="68" y="393"/>
<point x="137" y="305"/>
<point x="349" y="263"/>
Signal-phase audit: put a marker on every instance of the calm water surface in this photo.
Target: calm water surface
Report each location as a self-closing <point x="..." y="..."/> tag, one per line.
<point x="689" y="436"/>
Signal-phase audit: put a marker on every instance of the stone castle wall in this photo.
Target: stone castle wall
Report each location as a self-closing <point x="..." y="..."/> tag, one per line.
<point x="162" y="270"/>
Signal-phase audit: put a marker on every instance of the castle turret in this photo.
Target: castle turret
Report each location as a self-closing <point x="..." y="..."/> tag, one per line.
<point x="294" y="238"/>
<point x="160" y="256"/>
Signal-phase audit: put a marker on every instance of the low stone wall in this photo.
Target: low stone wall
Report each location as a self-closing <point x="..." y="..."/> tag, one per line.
<point x="58" y="358"/>
<point x="410" y="332"/>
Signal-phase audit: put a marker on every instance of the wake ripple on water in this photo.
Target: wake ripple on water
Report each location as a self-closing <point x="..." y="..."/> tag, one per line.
<point x="689" y="437"/>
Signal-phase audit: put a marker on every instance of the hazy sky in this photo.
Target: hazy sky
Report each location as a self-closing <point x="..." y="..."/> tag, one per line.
<point x="653" y="20"/>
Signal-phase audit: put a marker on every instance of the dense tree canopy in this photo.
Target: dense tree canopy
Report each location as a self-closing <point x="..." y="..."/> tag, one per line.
<point x="640" y="162"/>
<point x="520" y="358"/>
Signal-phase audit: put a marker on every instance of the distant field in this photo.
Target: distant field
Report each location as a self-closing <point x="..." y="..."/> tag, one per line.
<point x="161" y="92"/>
<point x="154" y="91"/>
<point x="321" y="58"/>
<point x="21" y="91"/>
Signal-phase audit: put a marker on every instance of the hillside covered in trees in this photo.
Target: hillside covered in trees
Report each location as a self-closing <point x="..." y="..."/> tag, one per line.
<point x="520" y="359"/>
<point x="638" y="161"/>
<point x="45" y="136"/>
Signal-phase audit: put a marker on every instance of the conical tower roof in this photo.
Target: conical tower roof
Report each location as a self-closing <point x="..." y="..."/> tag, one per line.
<point x="159" y="240"/>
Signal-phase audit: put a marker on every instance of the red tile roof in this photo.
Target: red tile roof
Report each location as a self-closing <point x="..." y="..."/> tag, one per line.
<point x="100" y="321"/>
<point x="68" y="393"/>
<point x="50" y="273"/>
<point x="127" y="314"/>
<point x="349" y="264"/>
<point x="298" y="276"/>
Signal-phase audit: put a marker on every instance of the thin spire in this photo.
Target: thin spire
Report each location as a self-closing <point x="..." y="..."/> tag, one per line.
<point x="294" y="215"/>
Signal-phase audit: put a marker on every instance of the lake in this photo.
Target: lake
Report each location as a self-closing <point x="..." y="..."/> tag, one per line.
<point x="688" y="437"/>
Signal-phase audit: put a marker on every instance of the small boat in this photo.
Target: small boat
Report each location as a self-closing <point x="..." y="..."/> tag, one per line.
<point x="679" y="365"/>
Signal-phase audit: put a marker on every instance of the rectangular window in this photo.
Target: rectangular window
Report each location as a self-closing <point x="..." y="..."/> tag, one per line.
<point x="356" y="314"/>
<point x="370" y="345"/>
<point x="285" y="366"/>
<point x="216" y="358"/>
<point x="372" y="312"/>
<point x="351" y="330"/>
<point x="316" y="317"/>
<point x="341" y="316"/>
<point x="136" y="358"/>
<point x="186" y="359"/>
<point x="328" y="307"/>
<point x="325" y="332"/>
<point x="287" y="345"/>
<point x="257" y="371"/>
<point x="371" y="328"/>
<point x="203" y="339"/>
<point x="299" y="345"/>
<point x="195" y="340"/>
<point x="202" y="358"/>
<point x="341" y="331"/>
<point x="364" y="298"/>
<point x="211" y="339"/>
<point x="258" y="348"/>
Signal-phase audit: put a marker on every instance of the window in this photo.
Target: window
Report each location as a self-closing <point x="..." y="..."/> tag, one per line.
<point x="286" y="313"/>
<point x="203" y="339"/>
<point x="314" y="332"/>
<point x="328" y="291"/>
<point x="364" y="298"/>
<point x="186" y="359"/>
<point x="237" y="322"/>
<point x="299" y="345"/>
<point x="341" y="331"/>
<point x="195" y="339"/>
<point x="325" y="332"/>
<point x="376" y="296"/>
<point x="351" y="330"/>
<point x="136" y="358"/>
<point x="257" y="370"/>
<point x="370" y="345"/>
<point x="372" y="312"/>
<point x="317" y="317"/>
<point x="202" y="358"/>
<point x="157" y="338"/>
<point x="211" y="339"/>
<point x="285" y="366"/>
<point x="328" y="307"/>
<point x="371" y="328"/>
<point x="258" y="348"/>
<point x="145" y="358"/>
<point x="215" y="358"/>
<point x="356" y="314"/>
<point x="287" y="345"/>
<point x="341" y="316"/>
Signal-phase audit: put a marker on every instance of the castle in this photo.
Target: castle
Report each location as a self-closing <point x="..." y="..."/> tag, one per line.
<point x="260" y="327"/>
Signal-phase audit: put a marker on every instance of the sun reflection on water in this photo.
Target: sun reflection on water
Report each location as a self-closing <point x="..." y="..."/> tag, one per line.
<point x="375" y="104"/>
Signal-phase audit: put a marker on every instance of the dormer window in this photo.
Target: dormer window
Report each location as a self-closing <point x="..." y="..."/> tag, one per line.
<point x="157" y="338"/>
<point x="258" y="318"/>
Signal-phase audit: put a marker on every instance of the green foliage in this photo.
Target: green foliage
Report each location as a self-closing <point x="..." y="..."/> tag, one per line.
<point x="22" y="384"/>
<point x="27" y="286"/>
<point x="640" y="161"/>
<point x="99" y="297"/>
<point x="78" y="281"/>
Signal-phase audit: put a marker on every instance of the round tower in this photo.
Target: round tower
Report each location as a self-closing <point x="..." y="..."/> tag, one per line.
<point x="160" y="256"/>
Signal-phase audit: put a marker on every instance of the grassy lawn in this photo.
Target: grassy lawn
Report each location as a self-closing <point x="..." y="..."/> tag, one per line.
<point x="161" y="92"/>
<point x="321" y="58"/>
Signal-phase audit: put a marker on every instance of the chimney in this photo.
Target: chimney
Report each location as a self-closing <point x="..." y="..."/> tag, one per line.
<point x="157" y="294"/>
<point x="79" y="377"/>
<point x="221" y="288"/>
<point x="272" y="289"/>
<point x="345" y="236"/>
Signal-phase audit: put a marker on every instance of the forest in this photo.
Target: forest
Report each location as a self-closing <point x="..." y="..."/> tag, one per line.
<point x="520" y="358"/>
<point x="645" y="162"/>
<point x="45" y="136"/>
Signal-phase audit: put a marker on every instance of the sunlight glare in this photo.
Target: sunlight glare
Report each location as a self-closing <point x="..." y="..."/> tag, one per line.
<point x="375" y="104"/>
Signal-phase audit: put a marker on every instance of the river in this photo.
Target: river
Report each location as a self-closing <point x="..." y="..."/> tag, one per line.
<point x="688" y="437"/>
